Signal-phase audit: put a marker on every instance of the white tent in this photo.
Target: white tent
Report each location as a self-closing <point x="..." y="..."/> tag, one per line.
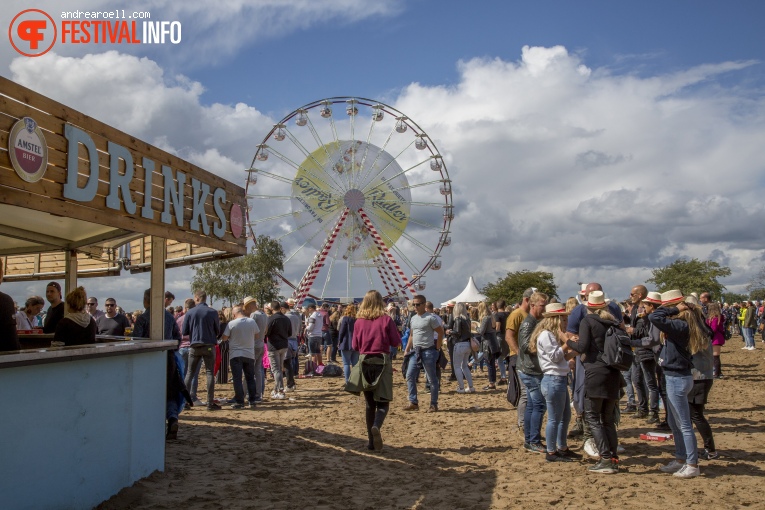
<point x="469" y="295"/>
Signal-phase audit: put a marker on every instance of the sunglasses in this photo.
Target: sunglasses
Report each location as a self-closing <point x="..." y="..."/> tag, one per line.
<point x="418" y="304"/>
<point x="110" y="304"/>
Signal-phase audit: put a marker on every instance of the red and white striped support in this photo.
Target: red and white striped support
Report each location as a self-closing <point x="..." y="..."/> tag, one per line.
<point x="386" y="278"/>
<point x="388" y="271"/>
<point x="384" y="249"/>
<point x="318" y="261"/>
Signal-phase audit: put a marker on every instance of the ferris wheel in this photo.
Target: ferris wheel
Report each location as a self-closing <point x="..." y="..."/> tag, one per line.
<point x="358" y="195"/>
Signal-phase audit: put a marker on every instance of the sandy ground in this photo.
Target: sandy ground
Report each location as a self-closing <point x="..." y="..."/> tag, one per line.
<point x="310" y="452"/>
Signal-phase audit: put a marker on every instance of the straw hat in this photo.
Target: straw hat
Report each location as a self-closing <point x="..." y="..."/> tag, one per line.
<point x="596" y="299"/>
<point x="250" y="299"/>
<point x="584" y="288"/>
<point x="451" y="303"/>
<point x="671" y="297"/>
<point x="291" y="302"/>
<point x="653" y="298"/>
<point x="555" y="309"/>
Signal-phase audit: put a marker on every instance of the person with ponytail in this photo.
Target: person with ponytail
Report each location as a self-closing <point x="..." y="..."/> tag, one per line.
<point x="716" y="323"/>
<point x="683" y="333"/>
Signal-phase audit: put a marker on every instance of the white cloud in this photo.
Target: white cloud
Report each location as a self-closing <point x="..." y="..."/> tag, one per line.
<point x="555" y="166"/>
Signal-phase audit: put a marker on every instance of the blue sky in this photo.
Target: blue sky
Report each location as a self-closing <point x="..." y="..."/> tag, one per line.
<point x="596" y="140"/>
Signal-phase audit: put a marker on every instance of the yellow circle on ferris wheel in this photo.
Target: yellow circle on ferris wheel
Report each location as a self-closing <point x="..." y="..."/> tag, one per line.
<point x="353" y="174"/>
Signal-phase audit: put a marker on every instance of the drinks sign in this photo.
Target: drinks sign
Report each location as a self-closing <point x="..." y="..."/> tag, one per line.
<point x="28" y="150"/>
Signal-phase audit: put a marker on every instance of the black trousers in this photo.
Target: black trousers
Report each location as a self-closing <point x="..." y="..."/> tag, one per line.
<point x="599" y="414"/>
<point x="648" y="372"/>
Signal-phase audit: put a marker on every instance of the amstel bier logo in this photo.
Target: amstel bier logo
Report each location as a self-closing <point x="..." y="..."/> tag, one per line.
<point x="28" y="150"/>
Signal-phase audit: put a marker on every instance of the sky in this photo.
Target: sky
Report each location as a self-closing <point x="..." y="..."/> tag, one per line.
<point x="594" y="140"/>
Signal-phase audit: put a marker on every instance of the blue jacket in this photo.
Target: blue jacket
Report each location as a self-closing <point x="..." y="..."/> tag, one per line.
<point x="675" y="358"/>
<point x="143" y="326"/>
<point x="346" y="333"/>
<point x="202" y="325"/>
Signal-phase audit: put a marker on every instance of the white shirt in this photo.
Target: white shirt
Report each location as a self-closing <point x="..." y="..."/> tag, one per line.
<point x="315" y="328"/>
<point x="552" y="360"/>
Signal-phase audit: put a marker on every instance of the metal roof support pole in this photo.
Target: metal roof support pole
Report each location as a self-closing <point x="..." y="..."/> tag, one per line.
<point x="70" y="278"/>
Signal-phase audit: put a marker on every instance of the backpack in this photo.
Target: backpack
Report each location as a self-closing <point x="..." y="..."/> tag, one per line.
<point x="617" y="352"/>
<point x="332" y="371"/>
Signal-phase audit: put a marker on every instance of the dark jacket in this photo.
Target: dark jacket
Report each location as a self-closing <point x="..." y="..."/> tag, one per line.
<point x="527" y="363"/>
<point x="643" y="350"/>
<point x="71" y="333"/>
<point x="52" y="318"/>
<point x="142" y="327"/>
<point x="346" y="333"/>
<point x="675" y="359"/>
<point x="600" y="380"/>
<point x="202" y="325"/>
<point x="488" y="333"/>
<point x="9" y="339"/>
<point x="278" y="331"/>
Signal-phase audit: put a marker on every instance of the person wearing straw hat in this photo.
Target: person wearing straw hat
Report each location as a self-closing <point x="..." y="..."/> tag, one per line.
<point x="682" y="326"/>
<point x="549" y="342"/>
<point x="645" y="338"/>
<point x="602" y="382"/>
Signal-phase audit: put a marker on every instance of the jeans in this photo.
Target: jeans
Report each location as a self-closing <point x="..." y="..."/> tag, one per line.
<point x="599" y="413"/>
<point x="260" y="373"/>
<point x="702" y="425"/>
<point x="429" y="359"/>
<point x="638" y="382"/>
<point x="748" y="334"/>
<point x="648" y="368"/>
<point x="276" y="358"/>
<point x="184" y="351"/>
<point x="522" y="402"/>
<point x="502" y="368"/>
<point x="490" y="358"/>
<point x="555" y="391"/>
<point x="627" y="374"/>
<point x="350" y="358"/>
<point x="197" y="354"/>
<point x="246" y="365"/>
<point x="679" y="417"/>
<point x="535" y="408"/>
<point x="460" y="356"/>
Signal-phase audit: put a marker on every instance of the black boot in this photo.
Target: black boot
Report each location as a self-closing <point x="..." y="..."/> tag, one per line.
<point x="172" y="429"/>
<point x="370" y="419"/>
<point x="577" y="430"/>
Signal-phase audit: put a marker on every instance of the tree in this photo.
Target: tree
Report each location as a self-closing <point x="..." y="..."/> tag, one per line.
<point x="255" y="274"/>
<point x="260" y="270"/>
<point x="691" y="276"/>
<point x="756" y="286"/>
<point x="757" y="294"/>
<point x="732" y="297"/>
<point x="511" y="287"/>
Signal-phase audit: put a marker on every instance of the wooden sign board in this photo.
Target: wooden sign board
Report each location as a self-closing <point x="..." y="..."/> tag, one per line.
<point x="96" y="173"/>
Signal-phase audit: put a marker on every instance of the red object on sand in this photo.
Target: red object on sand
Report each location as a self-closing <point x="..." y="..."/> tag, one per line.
<point x="656" y="436"/>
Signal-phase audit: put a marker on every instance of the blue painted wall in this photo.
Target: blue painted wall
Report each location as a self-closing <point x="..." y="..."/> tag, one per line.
<point x="73" y="434"/>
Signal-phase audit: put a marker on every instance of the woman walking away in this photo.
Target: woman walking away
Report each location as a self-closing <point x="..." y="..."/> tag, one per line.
<point x="345" y="338"/>
<point x="683" y="336"/>
<point x="462" y="334"/>
<point x="374" y="334"/>
<point x="489" y="343"/>
<point x="548" y="341"/>
<point x="601" y="381"/>
<point x="716" y="323"/>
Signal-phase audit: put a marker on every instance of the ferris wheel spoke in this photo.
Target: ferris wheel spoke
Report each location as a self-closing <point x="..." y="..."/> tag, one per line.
<point x="426" y="225"/>
<point x="271" y="197"/>
<point x="409" y="237"/>
<point x="391" y="245"/>
<point x="317" y="219"/>
<point x="278" y="216"/>
<point x="429" y="204"/>
<point x="288" y="161"/>
<point x="338" y="185"/>
<point x="386" y="166"/>
<point x="363" y="179"/>
<point x="366" y="148"/>
<point x="408" y="186"/>
<point x="273" y="176"/>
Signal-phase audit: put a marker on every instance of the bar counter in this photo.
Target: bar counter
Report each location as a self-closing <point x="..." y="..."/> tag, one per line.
<point x="80" y="423"/>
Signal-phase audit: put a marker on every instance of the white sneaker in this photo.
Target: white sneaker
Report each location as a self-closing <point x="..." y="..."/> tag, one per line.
<point x="590" y="449"/>
<point x="470" y="390"/>
<point x="688" y="471"/>
<point x="278" y="396"/>
<point x="744" y="347"/>
<point x="460" y="390"/>
<point x="672" y="467"/>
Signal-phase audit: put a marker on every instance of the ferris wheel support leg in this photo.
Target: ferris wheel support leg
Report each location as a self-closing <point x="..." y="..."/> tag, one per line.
<point x="383" y="274"/>
<point x="384" y="249"/>
<point x="318" y="262"/>
<point x="395" y="282"/>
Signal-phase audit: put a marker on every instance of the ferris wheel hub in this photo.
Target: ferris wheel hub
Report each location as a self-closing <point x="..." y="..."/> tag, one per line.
<point x="353" y="199"/>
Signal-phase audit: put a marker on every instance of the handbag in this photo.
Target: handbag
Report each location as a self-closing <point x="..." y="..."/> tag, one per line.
<point x="405" y="362"/>
<point x="475" y="345"/>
